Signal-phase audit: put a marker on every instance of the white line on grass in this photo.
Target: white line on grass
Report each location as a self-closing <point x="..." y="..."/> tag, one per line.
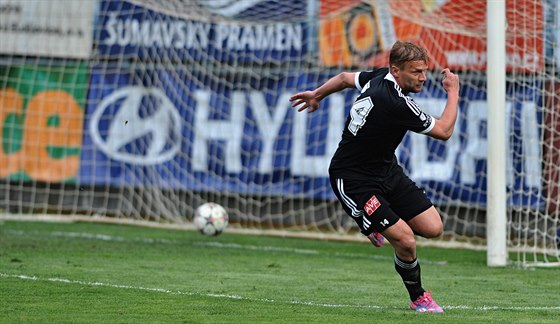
<point x="104" y="237"/>
<point x="267" y="300"/>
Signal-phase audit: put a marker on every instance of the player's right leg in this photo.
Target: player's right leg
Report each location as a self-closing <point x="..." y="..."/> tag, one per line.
<point x="401" y="237"/>
<point x="425" y="304"/>
<point x="373" y="214"/>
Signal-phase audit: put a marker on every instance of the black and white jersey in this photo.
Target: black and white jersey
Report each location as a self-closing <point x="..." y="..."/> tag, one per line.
<point x="376" y="125"/>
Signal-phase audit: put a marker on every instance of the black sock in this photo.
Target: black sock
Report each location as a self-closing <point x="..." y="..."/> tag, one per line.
<point x="410" y="274"/>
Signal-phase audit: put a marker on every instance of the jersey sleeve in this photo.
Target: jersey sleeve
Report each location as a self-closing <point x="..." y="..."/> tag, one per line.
<point x="413" y="118"/>
<point x="362" y="78"/>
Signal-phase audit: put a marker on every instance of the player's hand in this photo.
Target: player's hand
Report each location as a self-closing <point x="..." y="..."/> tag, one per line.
<point x="450" y="81"/>
<point x="305" y="100"/>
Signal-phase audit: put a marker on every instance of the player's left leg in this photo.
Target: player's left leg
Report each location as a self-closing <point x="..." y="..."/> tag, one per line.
<point x="413" y="206"/>
<point x="401" y="237"/>
<point x="427" y="224"/>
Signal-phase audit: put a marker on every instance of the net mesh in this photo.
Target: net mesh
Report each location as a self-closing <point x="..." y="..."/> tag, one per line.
<point x="143" y="110"/>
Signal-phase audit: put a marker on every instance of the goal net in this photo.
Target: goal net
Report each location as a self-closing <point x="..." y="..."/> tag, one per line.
<point x="141" y="110"/>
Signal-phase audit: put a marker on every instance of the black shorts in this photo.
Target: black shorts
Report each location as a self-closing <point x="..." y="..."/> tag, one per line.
<point x="377" y="204"/>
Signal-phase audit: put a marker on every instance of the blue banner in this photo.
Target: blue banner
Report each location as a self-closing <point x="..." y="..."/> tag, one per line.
<point x="171" y="128"/>
<point x="257" y="10"/>
<point x="125" y="29"/>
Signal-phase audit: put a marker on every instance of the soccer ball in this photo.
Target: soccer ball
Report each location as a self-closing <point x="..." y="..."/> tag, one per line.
<point x="210" y="219"/>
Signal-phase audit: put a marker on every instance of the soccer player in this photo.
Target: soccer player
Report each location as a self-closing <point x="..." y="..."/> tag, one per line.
<point x="364" y="172"/>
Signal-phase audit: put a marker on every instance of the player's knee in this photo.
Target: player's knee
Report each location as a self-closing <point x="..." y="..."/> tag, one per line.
<point x="406" y="244"/>
<point x="434" y="231"/>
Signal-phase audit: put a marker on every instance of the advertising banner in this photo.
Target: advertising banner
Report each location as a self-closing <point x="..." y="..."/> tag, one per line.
<point x="253" y="10"/>
<point x="356" y="33"/>
<point x="168" y="129"/>
<point x="55" y="28"/>
<point x="552" y="38"/>
<point x="41" y="118"/>
<point x="552" y="148"/>
<point x="126" y="29"/>
<point x="352" y="32"/>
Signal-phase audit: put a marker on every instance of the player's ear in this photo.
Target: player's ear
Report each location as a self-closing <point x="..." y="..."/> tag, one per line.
<point x="394" y="70"/>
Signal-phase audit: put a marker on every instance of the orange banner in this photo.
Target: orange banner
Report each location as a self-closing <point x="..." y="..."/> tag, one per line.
<point x="41" y="119"/>
<point x="353" y="33"/>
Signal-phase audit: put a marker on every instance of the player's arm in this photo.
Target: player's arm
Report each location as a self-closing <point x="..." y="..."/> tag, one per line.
<point x="444" y="126"/>
<point x="310" y="99"/>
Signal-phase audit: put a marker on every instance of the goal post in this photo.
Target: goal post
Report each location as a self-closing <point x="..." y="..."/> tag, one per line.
<point x="138" y="111"/>
<point x="496" y="227"/>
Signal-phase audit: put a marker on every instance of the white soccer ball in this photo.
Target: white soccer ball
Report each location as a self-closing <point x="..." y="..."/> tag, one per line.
<point x="210" y="219"/>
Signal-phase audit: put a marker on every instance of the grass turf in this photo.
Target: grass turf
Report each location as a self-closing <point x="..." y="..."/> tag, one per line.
<point x="84" y="273"/>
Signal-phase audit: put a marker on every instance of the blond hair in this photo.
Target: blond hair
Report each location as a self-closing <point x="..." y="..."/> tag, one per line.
<point x="403" y="52"/>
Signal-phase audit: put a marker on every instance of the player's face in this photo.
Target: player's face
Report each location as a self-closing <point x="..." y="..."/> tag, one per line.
<point x="412" y="76"/>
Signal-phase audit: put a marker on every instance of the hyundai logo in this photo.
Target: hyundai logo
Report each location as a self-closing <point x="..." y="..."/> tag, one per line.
<point x="137" y="125"/>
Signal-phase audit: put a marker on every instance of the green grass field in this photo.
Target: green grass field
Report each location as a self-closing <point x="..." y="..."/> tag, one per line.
<point x="99" y="273"/>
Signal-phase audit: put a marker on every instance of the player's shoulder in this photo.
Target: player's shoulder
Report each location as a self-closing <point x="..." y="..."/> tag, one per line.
<point x="371" y="74"/>
<point x="365" y="79"/>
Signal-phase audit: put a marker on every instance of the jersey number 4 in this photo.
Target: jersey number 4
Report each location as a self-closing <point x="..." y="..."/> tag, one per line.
<point x="360" y="110"/>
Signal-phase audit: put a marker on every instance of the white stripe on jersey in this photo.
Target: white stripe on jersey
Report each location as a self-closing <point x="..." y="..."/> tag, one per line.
<point x="412" y="105"/>
<point x="366" y="223"/>
<point x="347" y="201"/>
<point x="357" y="81"/>
<point x="429" y="129"/>
<point x="409" y="102"/>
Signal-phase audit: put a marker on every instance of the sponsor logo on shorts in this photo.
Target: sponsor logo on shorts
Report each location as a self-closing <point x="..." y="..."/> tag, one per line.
<point x="371" y="205"/>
